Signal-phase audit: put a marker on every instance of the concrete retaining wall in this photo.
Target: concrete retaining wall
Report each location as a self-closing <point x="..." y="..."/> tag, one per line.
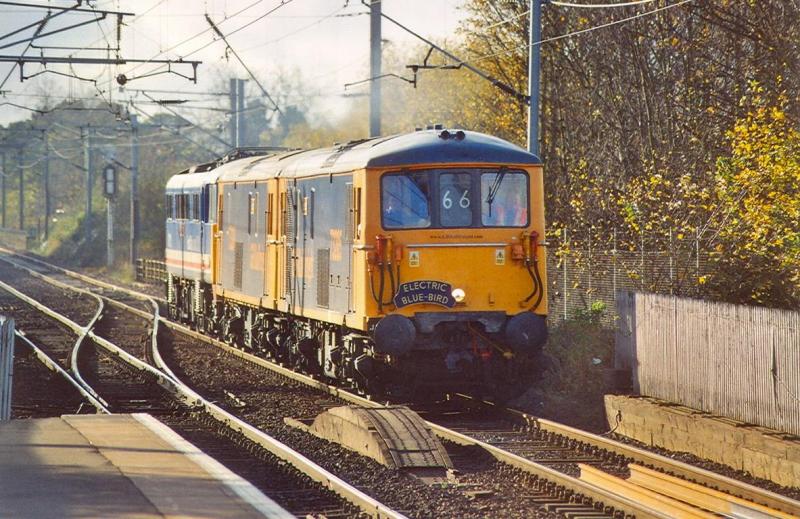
<point x="762" y="452"/>
<point x="14" y="239"/>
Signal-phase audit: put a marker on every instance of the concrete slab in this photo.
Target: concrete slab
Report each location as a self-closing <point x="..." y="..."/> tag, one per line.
<point x="116" y="466"/>
<point x="760" y="451"/>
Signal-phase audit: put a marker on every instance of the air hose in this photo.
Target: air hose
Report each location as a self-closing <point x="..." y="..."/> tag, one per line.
<point x="539" y="283"/>
<point x="535" y="284"/>
<point x="378" y="296"/>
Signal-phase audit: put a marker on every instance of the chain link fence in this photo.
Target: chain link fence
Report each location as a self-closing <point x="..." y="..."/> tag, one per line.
<point x="584" y="277"/>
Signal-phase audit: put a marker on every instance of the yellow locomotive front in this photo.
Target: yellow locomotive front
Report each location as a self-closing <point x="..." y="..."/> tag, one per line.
<point x="450" y="268"/>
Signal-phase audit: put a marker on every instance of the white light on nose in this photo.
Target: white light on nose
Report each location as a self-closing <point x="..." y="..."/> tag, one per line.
<point x="459" y="295"/>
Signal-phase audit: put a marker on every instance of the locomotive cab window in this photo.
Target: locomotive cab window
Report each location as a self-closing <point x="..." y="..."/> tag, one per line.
<point x="450" y="198"/>
<point x="405" y="201"/>
<point x="504" y="199"/>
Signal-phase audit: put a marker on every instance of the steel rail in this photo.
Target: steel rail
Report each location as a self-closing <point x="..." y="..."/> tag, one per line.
<point x="668" y="505"/>
<point x="79" y="330"/>
<point x="705" y="477"/>
<point x="710" y="479"/>
<point x="101" y="299"/>
<point x="54" y="367"/>
<point x="701" y="496"/>
<point x="78" y="275"/>
<point x="325" y="478"/>
<point x="76" y="349"/>
<point x="181" y="393"/>
<point x="684" y="470"/>
<point x="82" y="331"/>
<point x="597" y="494"/>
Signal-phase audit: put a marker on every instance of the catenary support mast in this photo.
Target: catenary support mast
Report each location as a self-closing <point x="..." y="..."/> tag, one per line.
<point x="375" y="68"/>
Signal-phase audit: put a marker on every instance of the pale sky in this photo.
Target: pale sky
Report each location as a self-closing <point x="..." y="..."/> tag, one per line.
<point x="327" y="40"/>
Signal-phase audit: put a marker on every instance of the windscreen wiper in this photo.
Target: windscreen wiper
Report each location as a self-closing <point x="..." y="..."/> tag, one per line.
<point x="495" y="187"/>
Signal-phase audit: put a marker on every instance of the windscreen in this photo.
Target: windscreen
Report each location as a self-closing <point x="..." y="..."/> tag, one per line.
<point x="449" y="198"/>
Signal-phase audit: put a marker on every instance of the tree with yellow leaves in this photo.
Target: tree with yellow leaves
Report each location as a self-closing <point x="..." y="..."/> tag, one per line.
<point x="757" y="222"/>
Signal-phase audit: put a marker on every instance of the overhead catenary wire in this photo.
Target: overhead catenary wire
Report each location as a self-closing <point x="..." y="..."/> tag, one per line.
<point x="55" y="153"/>
<point x="61" y="152"/>
<point x="50" y="16"/>
<point x="318" y="21"/>
<point x="195" y="51"/>
<point x="496" y="82"/>
<point x="211" y="152"/>
<point x="507" y="20"/>
<point x="582" y="31"/>
<point x="39" y="29"/>
<point x="137" y="17"/>
<point x="241" y="62"/>
<point x="190" y="38"/>
<point x="599" y="6"/>
<point x="103" y="95"/>
<point x="176" y="114"/>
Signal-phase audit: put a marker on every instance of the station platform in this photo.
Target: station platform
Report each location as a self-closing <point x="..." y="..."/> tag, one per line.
<point x="116" y="466"/>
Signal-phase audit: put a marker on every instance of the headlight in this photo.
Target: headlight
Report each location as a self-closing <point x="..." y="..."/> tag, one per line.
<point x="459" y="295"/>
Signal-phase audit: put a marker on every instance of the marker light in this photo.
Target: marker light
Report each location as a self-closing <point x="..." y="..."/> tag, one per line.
<point x="459" y="295"/>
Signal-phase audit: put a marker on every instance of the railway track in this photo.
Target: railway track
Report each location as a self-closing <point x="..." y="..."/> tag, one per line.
<point x="262" y="399"/>
<point x="543" y="457"/>
<point x="41" y="388"/>
<point x="115" y="380"/>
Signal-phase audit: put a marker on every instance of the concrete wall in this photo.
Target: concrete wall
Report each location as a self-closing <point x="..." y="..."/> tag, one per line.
<point x="14" y="239"/>
<point x="762" y="452"/>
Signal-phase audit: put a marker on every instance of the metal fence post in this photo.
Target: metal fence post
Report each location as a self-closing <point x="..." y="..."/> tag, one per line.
<point x="671" y="266"/>
<point x="566" y="257"/>
<point x="697" y="251"/>
<point x="614" y="264"/>
<point x="589" y="265"/>
<point x="6" y="366"/>
<point x="641" y="268"/>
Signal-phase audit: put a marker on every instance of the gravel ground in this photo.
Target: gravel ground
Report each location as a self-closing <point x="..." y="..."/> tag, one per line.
<point x="587" y="414"/>
<point x="52" y="337"/>
<point x="292" y="490"/>
<point x="269" y="398"/>
<point x="37" y="392"/>
<point x="128" y="331"/>
<point x="77" y="307"/>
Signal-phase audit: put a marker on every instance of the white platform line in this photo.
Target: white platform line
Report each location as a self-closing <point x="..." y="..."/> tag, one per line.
<point x="242" y="488"/>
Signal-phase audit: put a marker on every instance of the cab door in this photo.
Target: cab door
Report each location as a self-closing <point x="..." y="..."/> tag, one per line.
<point x="272" y="243"/>
<point x="287" y="253"/>
<point x="217" y="234"/>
